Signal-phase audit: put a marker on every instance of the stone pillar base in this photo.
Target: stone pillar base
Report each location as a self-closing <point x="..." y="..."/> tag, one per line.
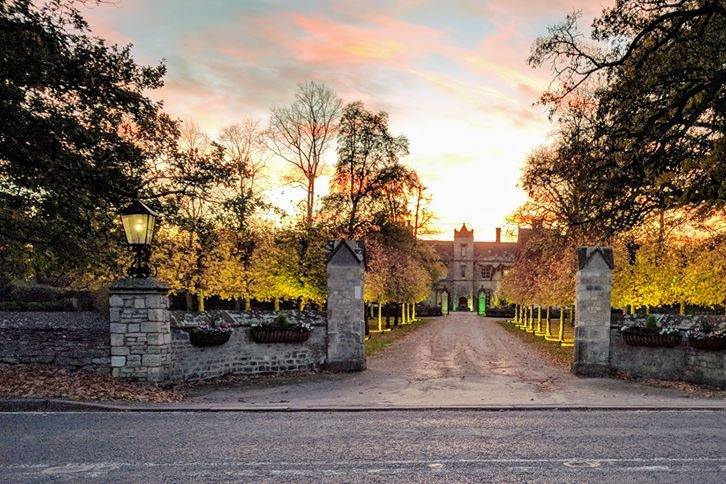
<point x="140" y="334"/>
<point x="592" y="370"/>
<point x="346" y="312"/>
<point x="593" y="288"/>
<point x="345" y="366"/>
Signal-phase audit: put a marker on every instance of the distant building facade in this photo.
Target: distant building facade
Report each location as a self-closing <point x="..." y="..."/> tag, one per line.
<point x="474" y="270"/>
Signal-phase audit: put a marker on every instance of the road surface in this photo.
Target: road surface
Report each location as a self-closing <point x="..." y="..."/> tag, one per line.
<point x="404" y="446"/>
<point x="461" y="359"/>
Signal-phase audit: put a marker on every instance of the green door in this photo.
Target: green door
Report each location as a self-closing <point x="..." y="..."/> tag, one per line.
<point x="482" y="304"/>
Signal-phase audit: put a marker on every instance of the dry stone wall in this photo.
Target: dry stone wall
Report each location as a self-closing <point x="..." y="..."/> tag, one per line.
<point x="683" y="362"/>
<point x="74" y="340"/>
<point x="143" y="340"/>
<point x="240" y="355"/>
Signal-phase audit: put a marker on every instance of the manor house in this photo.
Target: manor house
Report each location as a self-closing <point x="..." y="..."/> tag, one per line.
<point x="474" y="269"/>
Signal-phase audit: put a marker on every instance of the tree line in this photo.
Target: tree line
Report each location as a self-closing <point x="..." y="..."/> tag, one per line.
<point x="80" y="138"/>
<point x="637" y="159"/>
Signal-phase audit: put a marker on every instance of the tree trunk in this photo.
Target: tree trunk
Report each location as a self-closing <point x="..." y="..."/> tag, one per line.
<point x="301" y="305"/>
<point x="380" y="322"/>
<point x="530" y="318"/>
<point x="539" y="319"/>
<point x="403" y="313"/>
<point x="413" y="311"/>
<point x="547" y="322"/>
<point x="311" y="198"/>
<point x="189" y="301"/>
<point x="572" y="316"/>
<point x="248" y="304"/>
<point x="276" y="304"/>
<point x="682" y="308"/>
<point x="561" y="335"/>
<point x="200" y="301"/>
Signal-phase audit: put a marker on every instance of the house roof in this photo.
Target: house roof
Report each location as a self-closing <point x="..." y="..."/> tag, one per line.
<point x="482" y="250"/>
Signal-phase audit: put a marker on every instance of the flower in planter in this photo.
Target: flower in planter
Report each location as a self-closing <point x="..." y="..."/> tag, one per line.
<point x="284" y="324"/>
<point x="281" y="330"/>
<point x="651" y="326"/>
<point x="704" y="330"/>
<point x="207" y="328"/>
<point x="209" y="335"/>
<point x="650" y="332"/>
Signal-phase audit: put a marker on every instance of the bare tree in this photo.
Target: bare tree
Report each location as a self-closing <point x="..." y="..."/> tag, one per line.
<point x="245" y="147"/>
<point x="301" y="132"/>
<point x="423" y="217"/>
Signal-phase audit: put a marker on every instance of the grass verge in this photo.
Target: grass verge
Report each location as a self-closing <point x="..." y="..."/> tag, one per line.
<point x="380" y="341"/>
<point x="549" y="349"/>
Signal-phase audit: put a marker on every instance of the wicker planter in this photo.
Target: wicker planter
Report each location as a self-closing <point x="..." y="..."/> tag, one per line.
<point x="708" y="344"/>
<point x="652" y="340"/>
<point x="273" y="335"/>
<point x="212" y="338"/>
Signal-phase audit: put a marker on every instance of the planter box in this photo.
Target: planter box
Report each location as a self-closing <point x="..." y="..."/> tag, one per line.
<point x="202" y="338"/>
<point x="652" y="340"/>
<point x="273" y="335"/>
<point x="708" y="344"/>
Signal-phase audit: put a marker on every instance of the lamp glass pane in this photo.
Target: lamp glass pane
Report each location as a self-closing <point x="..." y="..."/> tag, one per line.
<point x="150" y="229"/>
<point x="136" y="227"/>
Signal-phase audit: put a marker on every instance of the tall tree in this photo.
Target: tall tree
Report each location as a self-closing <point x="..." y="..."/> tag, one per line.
<point x="192" y="238"/>
<point x="657" y="70"/>
<point x="76" y="132"/>
<point x="368" y="160"/>
<point x="301" y="132"/>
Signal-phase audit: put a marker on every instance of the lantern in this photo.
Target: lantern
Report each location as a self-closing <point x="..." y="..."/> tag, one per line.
<point x="139" y="222"/>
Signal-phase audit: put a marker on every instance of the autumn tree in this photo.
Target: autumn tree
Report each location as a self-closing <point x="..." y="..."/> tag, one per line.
<point x="247" y="156"/>
<point x="368" y="160"/>
<point x="191" y="238"/>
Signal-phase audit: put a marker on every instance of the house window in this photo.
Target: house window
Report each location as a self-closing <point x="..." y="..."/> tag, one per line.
<point x="463" y="271"/>
<point x="463" y="250"/>
<point x="486" y="272"/>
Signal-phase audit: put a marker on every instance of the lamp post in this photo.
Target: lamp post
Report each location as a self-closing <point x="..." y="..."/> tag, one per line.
<point x="139" y="222"/>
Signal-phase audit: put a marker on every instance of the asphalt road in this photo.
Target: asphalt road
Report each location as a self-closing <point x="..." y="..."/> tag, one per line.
<point x="409" y="446"/>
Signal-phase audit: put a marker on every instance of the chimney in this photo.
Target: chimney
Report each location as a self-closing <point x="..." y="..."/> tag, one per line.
<point x="499" y="234"/>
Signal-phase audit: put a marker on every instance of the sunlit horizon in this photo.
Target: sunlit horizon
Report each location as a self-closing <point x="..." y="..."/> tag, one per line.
<point x="452" y="77"/>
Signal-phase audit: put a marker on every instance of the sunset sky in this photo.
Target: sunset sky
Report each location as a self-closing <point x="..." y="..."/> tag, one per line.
<point x="452" y="76"/>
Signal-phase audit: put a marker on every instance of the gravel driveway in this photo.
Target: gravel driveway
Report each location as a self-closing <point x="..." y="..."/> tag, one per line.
<point x="460" y="359"/>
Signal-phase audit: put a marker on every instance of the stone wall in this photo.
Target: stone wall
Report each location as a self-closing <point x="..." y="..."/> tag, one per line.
<point x="240" y="355"/>
<point x="75" y="340"/>
<point x="683" y="363"/>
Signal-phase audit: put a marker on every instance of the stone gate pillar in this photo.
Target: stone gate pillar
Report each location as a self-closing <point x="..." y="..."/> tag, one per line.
<point x="140" y="334"/>
<point x="346" y="313"/>
<point x="593" y="287"/>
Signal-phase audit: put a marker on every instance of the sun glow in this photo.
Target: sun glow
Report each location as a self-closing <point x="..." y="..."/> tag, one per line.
<point x="454" y="80"/>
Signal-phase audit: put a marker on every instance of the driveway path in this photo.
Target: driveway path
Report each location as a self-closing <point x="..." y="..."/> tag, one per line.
<point x="461" y="359"/>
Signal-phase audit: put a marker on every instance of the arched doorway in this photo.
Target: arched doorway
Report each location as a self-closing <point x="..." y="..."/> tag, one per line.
<point x="463" y="304"/>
